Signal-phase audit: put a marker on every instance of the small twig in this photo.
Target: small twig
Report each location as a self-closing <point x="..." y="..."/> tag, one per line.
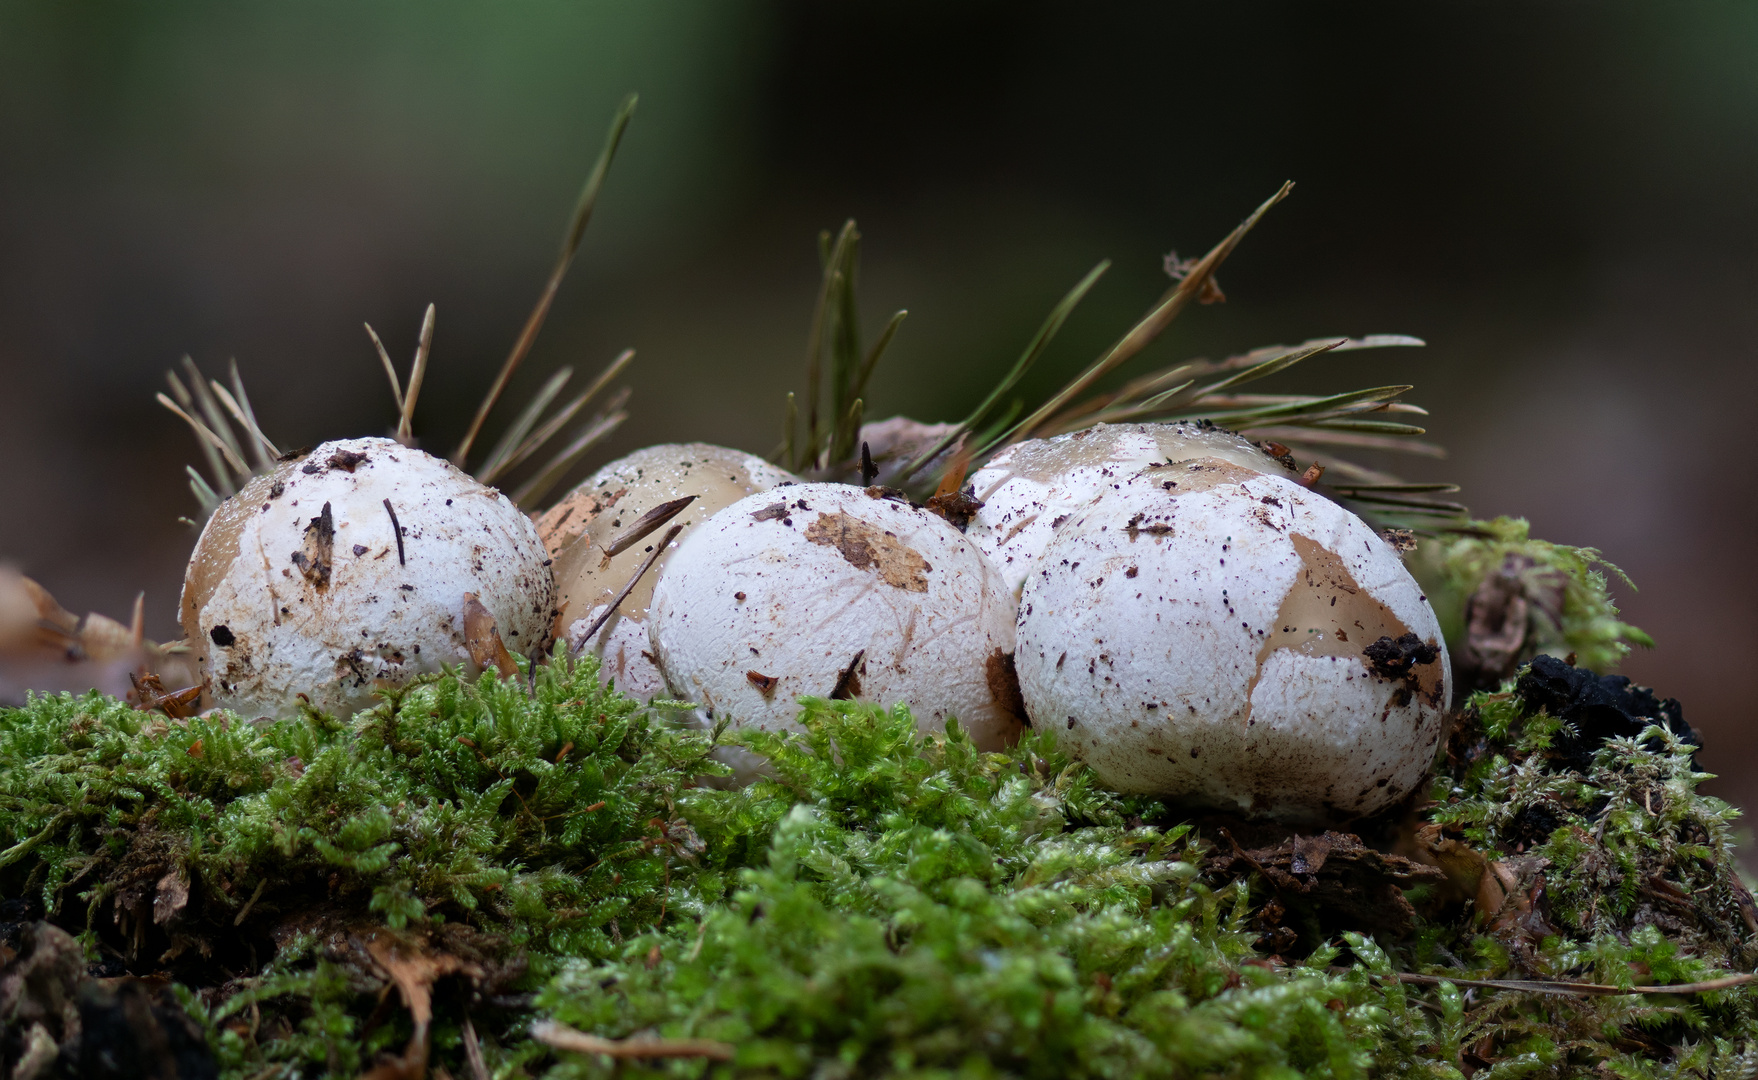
<point x="562" y="1037"/>
<point x="397" y="530"/>
<point x="646" y="524"/>
<point x="868" y="469"/>
<point x="248" y="904"/>
<point x="844" y="690"/>
<point x="658" y="550"/>
<point x="203" y="432"/>
<point x="1558" y="986"/>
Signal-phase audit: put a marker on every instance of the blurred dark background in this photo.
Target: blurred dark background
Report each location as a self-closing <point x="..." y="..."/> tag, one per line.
<point x="1562" y="198"/>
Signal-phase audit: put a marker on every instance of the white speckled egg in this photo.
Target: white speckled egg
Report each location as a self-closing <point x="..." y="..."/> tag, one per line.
<point x="826" y="590"/>
<point x="301" y="585"/>
<point x="1229" y="639"/>
<point x="607" y="503"/>
<point x="1031" y="487"/>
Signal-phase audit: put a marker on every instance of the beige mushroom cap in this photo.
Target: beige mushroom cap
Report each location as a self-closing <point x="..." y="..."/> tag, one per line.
<point x="1032" y="486"/>
<point x="1232" y="640"/>
<point x="609" y="502"/>
<point x="824" y="590"/>
<point x="299" y="587"/>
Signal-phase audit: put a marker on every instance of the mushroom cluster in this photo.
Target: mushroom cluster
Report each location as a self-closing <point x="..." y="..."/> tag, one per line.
<point x="1191" y="620"/>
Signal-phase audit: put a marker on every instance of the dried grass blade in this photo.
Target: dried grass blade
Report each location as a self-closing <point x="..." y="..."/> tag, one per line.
<point x="264" y="464"/>
<point x="390" y="368"/>
<point x="1156" y="320"/>
<point x="594" y="433"/>
<point x="565" y="416"/>
<point x="216" y="419"/>
<point x="205" y="496"/>
<point x="417" y="374"/>
<point x="522" y="425"/>
<point x="1034" y="349"/>
<point x="226" y="453"/>
<point x="260" y="448"/>
<point x="570" y="245"/>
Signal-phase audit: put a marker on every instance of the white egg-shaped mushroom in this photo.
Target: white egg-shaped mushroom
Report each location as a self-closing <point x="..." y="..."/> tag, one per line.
<point x="1233" y="640"/>
<point x="356" y="567"/>
<point x="608" y="505"/>
<point x="826" y="590"/>
<point x="1030" y="488"/>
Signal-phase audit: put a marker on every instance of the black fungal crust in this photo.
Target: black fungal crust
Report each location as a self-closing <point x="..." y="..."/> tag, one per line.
<point x="1596" y="708"/>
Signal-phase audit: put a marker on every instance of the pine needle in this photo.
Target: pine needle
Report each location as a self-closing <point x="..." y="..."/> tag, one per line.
<point x="216" y="419"/>
<point x="570" y="246"/>
<point x="595" y="432"/>
<point x="548" y="429"/>
<point x="1152" y="324"/>
<point x="262" y="450"/>
<point x="522" y="425"/>
<point x="210" y="447"/>
<point x="1034" y="349"/>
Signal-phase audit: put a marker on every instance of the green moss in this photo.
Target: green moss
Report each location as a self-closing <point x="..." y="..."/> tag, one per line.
<point x="1570" y="609"/>
<point x="886" y="904"/>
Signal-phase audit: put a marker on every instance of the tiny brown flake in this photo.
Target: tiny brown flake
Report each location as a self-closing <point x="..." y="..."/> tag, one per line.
<point x="772" y="512"/>
<point x="956" y="507"/>
<point x="765" y="684"/>
<point x="867" y="547"/>
<point x="346" y="460"/>
<point x="848" y="684"/>
<point x="359" y="550"/>
<point x="317" y="553"/>
<point x="1311" y="475"/>
<point x="739" y="596"/>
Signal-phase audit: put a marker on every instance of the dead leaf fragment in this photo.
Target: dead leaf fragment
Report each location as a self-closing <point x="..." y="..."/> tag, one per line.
<point x="317" y="553"/>
<point x="483" y="639"/>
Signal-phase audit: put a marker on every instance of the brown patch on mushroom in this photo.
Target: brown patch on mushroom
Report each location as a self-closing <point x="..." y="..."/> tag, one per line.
<point x="569" y="519"/>
<point x="772" y="512"/>
<point x="1325" y="608"/>
<point x="346" y="460"/>
<point x="483" y="639"/>
<point x="1201" y="474"/>
<point x="1003" y="680"/>
<point x="318" y="552"/>
<point x="765" y="684"/>
<point x="865" y="546"/>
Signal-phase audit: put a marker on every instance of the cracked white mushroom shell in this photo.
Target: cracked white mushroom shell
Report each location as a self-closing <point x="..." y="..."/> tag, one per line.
<point x="1234" y="640"/>
<point x="1031" y="487"/>
<point x="825" y="590"/>
<point x="301" y="585"/>
<point x="607" y="504"/>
